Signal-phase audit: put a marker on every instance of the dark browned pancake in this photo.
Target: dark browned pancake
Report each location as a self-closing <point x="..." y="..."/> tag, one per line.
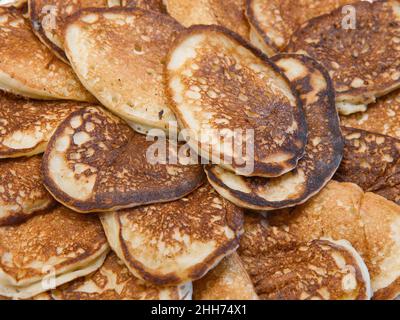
<point x="96" y="162"/>
<point x="323" y="154"/>
<point x="372" y="161"/>
<point x="364" y="61"/>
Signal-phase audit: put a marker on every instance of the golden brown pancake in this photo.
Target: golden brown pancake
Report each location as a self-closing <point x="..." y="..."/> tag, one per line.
<point x="228" y="281"/>
<point x="363" y="64"/>
<point x="282" y="268"/>
<point x="131" y="82"/>
<point x="372" y="161"/>
<point x="323" y="154"/>
<point x="21" y="190"/>
<point x="221" y="88"/>
<point x="49" y="250"/>
<point x="27" y="125"/>
<point x="176" y="242"/>
<point x="96" y="162"/>
<point x="113" y="281"/>
<point x="28" y="68"/>
<point x="274" y="21"/>
<point x="381" y="117"/>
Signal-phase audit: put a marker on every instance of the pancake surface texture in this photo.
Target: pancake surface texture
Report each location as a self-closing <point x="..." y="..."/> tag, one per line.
<point x="21" y="190"/>
<point x="364" y="65"/>
<point x="220" y="88"/>
<point x="26" y="126"/>
<point x="47" y="250"/>
<point x="176" y="242"/>
<point x="155" y="5"/>
<point x="96" y="162"/>
<point x="28" y="68"/>
<point x="113" y="281"/>
<point x="323" y="154"/>
<point x="130" y="84"/>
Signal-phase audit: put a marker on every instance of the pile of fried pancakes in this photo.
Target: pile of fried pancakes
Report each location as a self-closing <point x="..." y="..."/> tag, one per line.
<point x="84" y="212"/>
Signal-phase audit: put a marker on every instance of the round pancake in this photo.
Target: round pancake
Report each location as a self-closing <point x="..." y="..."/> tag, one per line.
<point x="113" y="281"/>
<point x="57" y="247"/>
<point x="282" y="268"/>
<point x="27" y="125"/>
<point x="364" y="65"/>
<point x="96" y="162"/>
<point x="131" y="83"/>
<point x="28" y="68"/>
<point x="323" y="154"/>
<point x="226" y="13"/>
<point x="228" y="281"/>
<point x="21" y="190"/>
<point x="372" y="161"/>
<point x="274" y="21"/>
<point x="220" y="88"/>
<point x="176" y="242"/>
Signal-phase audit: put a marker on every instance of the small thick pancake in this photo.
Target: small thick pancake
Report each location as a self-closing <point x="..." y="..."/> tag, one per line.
<point x="363" y="64"/>
<point x="26" y="126"/>
<point x="274" y="21"/>
<point x="372" y="161"/>
<point x="113" y="281"/>
<point x="221" y="88"/>
<point x="282" y="268"/>
<point x="96" y="162"/>
<point x="226" y="13"/>
<point x="21" y="190"/>
<point x="28" y="68"/>
<point x="228" y="281"/>
<point x="119" y="55"/>
<point x="381" y="117"/>
<point x="53" y="248"/>
<point x="176" y="242"/>
<point x="323" y="154"/>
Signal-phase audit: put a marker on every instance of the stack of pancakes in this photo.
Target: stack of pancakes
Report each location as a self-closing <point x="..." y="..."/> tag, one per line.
<point x="93" y="92"/>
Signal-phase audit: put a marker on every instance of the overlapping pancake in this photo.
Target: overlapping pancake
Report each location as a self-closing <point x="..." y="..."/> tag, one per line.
<point x="28" y="68"/>
<point x="361" y="51"/>
<point x="26" y="126"/>
<point x="285" y="269"/>
<point x="176" y="242"/>
<point x="21" y="190"/>
<point x="226" y="13"/>
<point x="113" y="281"/>
<point x="372" y="161"/>
<point x="119" y="55"/>
<point x="49" y="250"/>
<point x="237" y="107"/>
<point x="274" y="21"/>
<point x="96" y="162"/>
<point x="323" y="154"/>
<point x="228" y="281"/>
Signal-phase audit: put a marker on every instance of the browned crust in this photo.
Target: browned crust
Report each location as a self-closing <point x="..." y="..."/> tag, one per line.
<point x="389" y="293"/>
<point x="259" y="168"/>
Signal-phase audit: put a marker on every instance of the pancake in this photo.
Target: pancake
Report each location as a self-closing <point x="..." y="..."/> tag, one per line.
<point x="372" y="161"/>
<point x="113" y="281"/>
<point x="225" y="93"/>
<point x="282" y="268"/>
<point x="323" y="154"/>
<point x="364" y="65"/>
<point x="274" y="21"/>
<point x="381" y="117"/>
<point x="28" y="68"/>
<point x="228" y="281"/>
<point x="176" y="242"/>
<point x="130" y="84"/>
<point x="49" y="249"/>
<point x="21" y="190"/>
<point x="96" y="162"/>
<point x="27" y="125"/>
<point x="226" y="13"/>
